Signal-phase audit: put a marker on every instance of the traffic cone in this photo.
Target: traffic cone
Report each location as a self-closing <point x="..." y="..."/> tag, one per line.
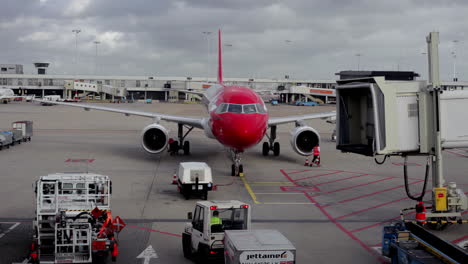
<point x="174" y="179"/>
<point x="306" y="161"/>
<point x="420" y="213"/>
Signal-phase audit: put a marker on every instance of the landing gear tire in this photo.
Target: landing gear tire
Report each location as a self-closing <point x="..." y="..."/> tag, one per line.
<point x="233" y="170"/>
<point x="276" y="149"/>
<point x="265" y="149"/>
<point x="241" y="169"/>
<point x="186" y="148"/>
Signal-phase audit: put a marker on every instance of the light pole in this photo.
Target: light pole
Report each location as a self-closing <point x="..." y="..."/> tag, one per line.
<point x="454" y="55"/>
<point x="207" y="33"/>
<point x="358" y="55"/>
<point x="96" y="57"/>
<point x="76" y="31"/>
<point x="230" y="46"/>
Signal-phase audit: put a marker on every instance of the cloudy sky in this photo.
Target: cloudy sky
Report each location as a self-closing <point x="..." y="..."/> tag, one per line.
<point x="306" y="39"/>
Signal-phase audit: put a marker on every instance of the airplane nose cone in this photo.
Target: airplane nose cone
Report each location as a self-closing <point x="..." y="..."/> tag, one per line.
<point x="244" y="131"/>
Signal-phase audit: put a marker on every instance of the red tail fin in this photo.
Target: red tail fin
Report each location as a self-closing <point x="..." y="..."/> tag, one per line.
<point x="220" y="59"/>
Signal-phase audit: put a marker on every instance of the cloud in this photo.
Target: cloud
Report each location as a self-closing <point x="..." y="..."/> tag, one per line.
<point x="165" y="37"/>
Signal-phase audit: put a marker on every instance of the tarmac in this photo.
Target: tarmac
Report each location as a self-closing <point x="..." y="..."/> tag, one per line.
<point x="332" y="214"/>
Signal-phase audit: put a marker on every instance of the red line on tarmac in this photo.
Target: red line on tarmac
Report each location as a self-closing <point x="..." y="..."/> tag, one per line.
<point x="356" y="176"/>
<point x="374" y="193"/>
<point x="338" y="225"/>
<point x="320" y="175"/>
<point x="346" y="231"/>
<point x="359" y="185"/>
<point x="455" y="153"/>
<point x="289" y="178"/>
<point x="460" y="239"/>
<point x="379" y="223"/>
<point x="298" y="171"/>
<point x="157" y="231"/>
<point x="370" y="208"/>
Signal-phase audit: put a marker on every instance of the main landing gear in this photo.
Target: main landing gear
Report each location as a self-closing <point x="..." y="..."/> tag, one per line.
<point x="175" y="146"/>
<point x="271" y="145"/>
<point x="236" y="168"/>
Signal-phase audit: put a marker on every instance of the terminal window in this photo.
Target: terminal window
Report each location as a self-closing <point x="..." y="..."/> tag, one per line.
<point x="4" y="69"/>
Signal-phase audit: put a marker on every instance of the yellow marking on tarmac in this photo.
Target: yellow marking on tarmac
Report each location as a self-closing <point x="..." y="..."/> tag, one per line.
<point x="249" y="189"/>
<point x="289" y="203"/>
<point x="274" y="182"/>
<point x="284" y="193"/>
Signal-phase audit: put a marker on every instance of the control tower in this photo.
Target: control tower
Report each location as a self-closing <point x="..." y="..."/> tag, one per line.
<point x="41" y="67"/>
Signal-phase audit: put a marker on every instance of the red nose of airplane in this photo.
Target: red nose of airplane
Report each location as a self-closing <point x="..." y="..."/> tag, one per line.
<point x="241" y="131"/>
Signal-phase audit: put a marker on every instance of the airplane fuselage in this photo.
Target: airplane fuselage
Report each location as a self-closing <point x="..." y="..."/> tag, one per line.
<point x="238" y="116"/>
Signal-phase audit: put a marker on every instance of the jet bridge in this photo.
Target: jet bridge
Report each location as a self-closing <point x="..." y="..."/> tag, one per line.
<point x="376" y="116"/>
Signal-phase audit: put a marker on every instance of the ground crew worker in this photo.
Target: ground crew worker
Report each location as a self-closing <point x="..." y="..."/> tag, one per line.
<point x="171" y="146"/>
<point x="316" y="156"/>
<point x="215" y="220"/>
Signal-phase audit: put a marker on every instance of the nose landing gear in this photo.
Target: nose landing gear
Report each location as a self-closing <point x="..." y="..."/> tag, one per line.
<point x="271" y="144"/>
<point x="237" y="168"/>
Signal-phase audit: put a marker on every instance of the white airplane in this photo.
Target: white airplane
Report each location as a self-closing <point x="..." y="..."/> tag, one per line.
<point x="238" y="119"/>
<point x="6" y="94"/>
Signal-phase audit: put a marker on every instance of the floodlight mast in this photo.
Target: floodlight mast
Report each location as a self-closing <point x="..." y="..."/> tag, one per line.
<point x="435" y="88"/>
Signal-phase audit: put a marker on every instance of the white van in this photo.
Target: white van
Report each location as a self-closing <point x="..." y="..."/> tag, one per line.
<point x="194" y="178"/>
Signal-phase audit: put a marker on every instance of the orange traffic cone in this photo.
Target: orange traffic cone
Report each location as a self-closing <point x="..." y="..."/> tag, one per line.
<point x="174" y="179"/>
<point x="420" y="213"/>
<point x="306" y="161"/>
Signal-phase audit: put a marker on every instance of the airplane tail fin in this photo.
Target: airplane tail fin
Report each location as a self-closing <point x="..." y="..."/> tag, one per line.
<point x="220" y="59"/>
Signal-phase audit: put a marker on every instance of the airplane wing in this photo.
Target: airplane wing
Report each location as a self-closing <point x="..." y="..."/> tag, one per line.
<point x="273" y="121"/>
<point x="191" y="121"/>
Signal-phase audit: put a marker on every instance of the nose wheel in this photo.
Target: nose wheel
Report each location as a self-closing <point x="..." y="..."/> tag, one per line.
<point x="236" y="168"/>
<point x="271" y="145"/>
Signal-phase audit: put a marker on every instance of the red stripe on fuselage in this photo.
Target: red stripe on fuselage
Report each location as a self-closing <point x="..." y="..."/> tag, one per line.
<point x="239" y="130"/>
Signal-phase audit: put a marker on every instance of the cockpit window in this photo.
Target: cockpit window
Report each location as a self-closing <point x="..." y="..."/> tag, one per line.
<point x="222" y="108"/>
<point x="235" y="108"/>
<point x="250" y="109"/>
<point x="261" y="108"/>
<point x="239" y="108"/>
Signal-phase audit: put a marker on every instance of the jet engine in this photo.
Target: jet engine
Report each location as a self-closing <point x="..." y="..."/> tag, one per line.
<point x="304" y="139"/>
<point x="154" y="138"/>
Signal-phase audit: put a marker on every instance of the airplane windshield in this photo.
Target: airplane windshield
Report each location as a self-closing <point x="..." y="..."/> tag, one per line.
<point x="250" y="109"/>
<point x="235" y="108"/>
<point x="238" y="108"/>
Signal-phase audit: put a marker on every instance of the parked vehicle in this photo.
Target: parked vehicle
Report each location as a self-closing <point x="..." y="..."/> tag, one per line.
<point x="203" y="238"/>
<point x="258" y="247"/>
<point x="6" y="139"/>
<point x="194" y="178"/>
<point x="73" y="221"/>
<point x="26" y="128"/>
<point x="303" y="103"/>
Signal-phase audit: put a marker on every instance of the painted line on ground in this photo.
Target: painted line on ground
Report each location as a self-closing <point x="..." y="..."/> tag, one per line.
<point x="14" y="225"/>
<point x="379" y="223"/>
<point x="316" y="176"/>
<point x="456" y="153"/>
<point x="461" y="239"/>
<point x="156" y="231"/>
<point x="343" y="179"/>
<point x="372" y="207"/>
<point x="283" y="193"/>
<point x="370" y="194"/>
<point x="288" y="203"/>
<point x="249" y="190"/>
<point x="339" y="225"/>
<point x="359" y="185"/>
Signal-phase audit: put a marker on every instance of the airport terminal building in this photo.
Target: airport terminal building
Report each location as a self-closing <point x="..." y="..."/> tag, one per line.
<point x="163" y="88"/>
